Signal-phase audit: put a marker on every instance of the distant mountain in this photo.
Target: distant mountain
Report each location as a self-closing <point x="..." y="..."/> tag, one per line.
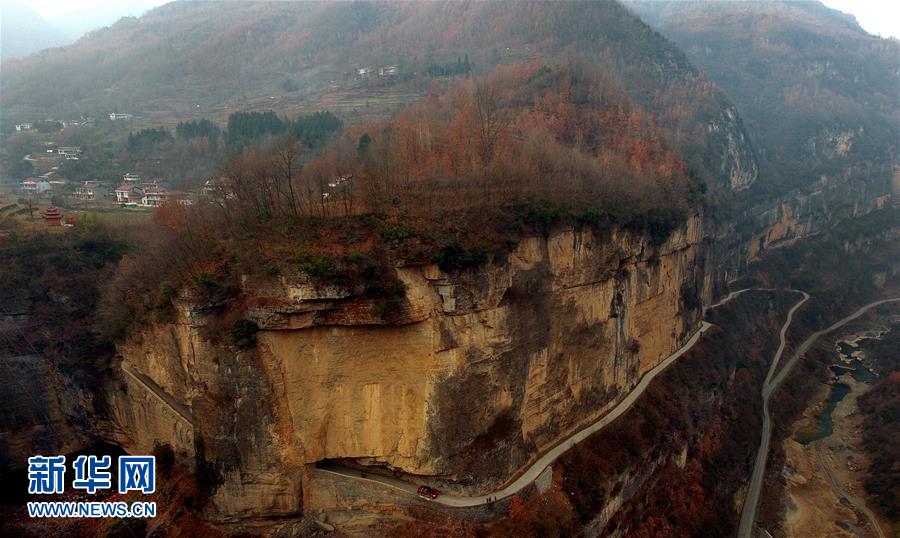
<point x="97" y="15"/>
<point x="818" y="93"/>
<point x="23" y="31"/>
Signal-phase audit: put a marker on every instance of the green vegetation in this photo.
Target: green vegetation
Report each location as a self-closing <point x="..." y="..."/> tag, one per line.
<point x="454" y="257"/>
<point x="198" y="129"/>
<point x="47" y="126"/>
<point x="146" y="139"/>
<point x="460" y="67"/>
<point x="315" y="266"/>
<point x="243" y="333"/>
<point x="165" y="457"/>
<point x="312" y="130"/>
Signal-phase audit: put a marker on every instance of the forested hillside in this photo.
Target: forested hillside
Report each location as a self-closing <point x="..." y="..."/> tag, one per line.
<point x="817" y="92"/>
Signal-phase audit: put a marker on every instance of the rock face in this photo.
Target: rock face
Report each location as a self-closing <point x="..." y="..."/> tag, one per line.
<point x="488" y="365"/>
<point x="493" y="364"/>
<point x="735" y="162"/>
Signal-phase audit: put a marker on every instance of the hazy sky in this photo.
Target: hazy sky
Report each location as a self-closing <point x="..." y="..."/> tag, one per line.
<point x="51" y="8"/>
<point x="880" y="17"/>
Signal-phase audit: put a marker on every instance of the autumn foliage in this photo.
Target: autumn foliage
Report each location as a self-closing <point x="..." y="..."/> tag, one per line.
<point x="529" y="131"/>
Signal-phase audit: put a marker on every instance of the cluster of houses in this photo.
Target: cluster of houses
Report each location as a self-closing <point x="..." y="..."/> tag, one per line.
<point x="386" y="71"/>
<point x="132" y="192"/>
<point x="83" y="121"/>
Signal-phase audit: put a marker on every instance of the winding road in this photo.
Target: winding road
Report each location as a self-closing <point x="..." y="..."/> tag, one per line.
<point x="530" y="473"/>
<point x="773" y="380"/>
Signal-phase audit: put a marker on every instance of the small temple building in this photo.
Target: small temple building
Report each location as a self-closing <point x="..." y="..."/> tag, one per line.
<point x="52" y="216"/>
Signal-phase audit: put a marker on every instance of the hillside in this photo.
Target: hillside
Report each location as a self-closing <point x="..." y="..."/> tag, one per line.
<point x="818" y="93"/>
<point x="192" y="59"/>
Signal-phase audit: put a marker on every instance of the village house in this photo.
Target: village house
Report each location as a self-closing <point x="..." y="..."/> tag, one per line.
<point x="71" y="153"/>
<point x="154" y="196"/>
<point x="114" y="116"/>
<point x="90" y="190"/>
<point x="131" y="178"/>
<point x="81" y="122"/>
<point x="128" y="193"/>
<point x="181" y="198"/>
<point x="364" y="72"/>
<point x="35" y="186"/>
<point x="389" y="71"/>
<point x="23" y="127"/>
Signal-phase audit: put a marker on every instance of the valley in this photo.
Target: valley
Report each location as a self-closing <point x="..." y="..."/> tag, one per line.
<point x="826" y="461"/>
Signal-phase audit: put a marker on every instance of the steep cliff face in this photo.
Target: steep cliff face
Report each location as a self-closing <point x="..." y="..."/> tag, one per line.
<point x="484" y="366"/>
<point x="853" y="193"/>
<point x="734" y="162"/>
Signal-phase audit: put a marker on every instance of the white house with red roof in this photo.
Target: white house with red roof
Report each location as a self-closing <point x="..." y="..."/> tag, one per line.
<point x="154" y="196"/>
<point x="128" y="193"/>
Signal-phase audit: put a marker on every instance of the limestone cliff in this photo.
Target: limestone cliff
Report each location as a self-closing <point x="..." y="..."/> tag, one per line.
<point x="484" y="366"/>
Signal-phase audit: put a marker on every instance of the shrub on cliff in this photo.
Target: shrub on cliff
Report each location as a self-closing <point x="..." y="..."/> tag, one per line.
<point x="454" y="257"/>
<point x="243" y="333"/>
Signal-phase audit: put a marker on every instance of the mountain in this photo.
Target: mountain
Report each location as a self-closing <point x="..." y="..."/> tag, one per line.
<point x="516" y="216"/>
<point x="97" y="15"/>
<point x="23" y="31"/>
<point x="195" y="58"/>
<point x="817" y="92"/>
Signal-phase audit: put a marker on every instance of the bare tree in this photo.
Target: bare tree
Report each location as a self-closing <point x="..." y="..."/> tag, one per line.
<point x="491" y="119"/>
<point x="287" y="165"/>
